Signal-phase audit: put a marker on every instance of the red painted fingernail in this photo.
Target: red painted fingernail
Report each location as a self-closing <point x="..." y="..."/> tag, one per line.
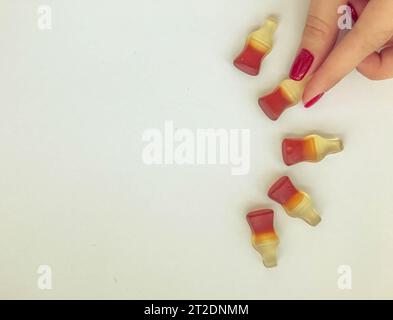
<point x="354" y="13"/>
<point x="314" y="100"/>
<point x="301" y="65"/>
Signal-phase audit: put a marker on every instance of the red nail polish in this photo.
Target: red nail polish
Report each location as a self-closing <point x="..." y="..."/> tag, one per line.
<point x="354" y="13"/>
<point x="301" y="65"/>
<point x="313" y="100"/>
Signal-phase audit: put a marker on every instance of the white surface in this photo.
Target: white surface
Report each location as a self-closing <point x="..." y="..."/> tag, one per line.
<point x="75" y="195"/>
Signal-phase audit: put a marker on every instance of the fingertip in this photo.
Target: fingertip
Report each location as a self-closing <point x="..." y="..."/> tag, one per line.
<point x="311" y="93"/>
<point x="313" y="101"/>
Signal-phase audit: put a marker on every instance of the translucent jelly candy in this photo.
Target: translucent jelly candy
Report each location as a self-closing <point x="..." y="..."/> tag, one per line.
<point x="296" y="203"/>
<point x="264" y="238"/>
<point x="312" y="148"/>
<point x="258" y="45"/>
<point x="286" y="95"/>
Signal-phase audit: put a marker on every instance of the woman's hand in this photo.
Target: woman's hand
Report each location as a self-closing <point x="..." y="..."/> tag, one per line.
<point x="368" y="46"/>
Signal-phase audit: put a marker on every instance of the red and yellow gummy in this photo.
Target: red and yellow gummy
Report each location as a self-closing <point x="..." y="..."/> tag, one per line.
<point x="264" y="238"/>
<point x="312" y="148"/>
<point x="296" y="203"/>
<point x="286" y="95"/>
<point x="258" y="45"/>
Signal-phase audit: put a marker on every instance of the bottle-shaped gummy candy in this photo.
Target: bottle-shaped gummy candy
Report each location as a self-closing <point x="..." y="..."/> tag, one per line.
<point x="286" y="95"/>
<point x="258" y="45"/>
<point x="312" y="148"/>
<point x="296" y="203"/>
<point x="264" y="238"/>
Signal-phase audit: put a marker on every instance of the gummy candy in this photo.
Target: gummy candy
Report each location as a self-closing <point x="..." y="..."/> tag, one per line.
<point x="286" y="95"/>
<point x="296" y="203"/>
<point x="312" y="148"/>
<point x="258" y="45"/>
<point x="264" y="238"/>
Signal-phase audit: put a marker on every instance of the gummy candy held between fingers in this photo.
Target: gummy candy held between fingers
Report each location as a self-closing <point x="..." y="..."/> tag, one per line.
<point x="312" y="148"/>
<point x="286" y="95"/>
<point x="258" y="45"/>
<point x="264" y="238"/>
<point x="296" y="203"/>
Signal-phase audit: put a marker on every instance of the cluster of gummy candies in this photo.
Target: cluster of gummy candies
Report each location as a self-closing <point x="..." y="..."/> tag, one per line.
<point x="312" y="148"/>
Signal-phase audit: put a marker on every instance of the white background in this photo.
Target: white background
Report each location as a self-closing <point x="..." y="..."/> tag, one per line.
<point x="75" y="194"/>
